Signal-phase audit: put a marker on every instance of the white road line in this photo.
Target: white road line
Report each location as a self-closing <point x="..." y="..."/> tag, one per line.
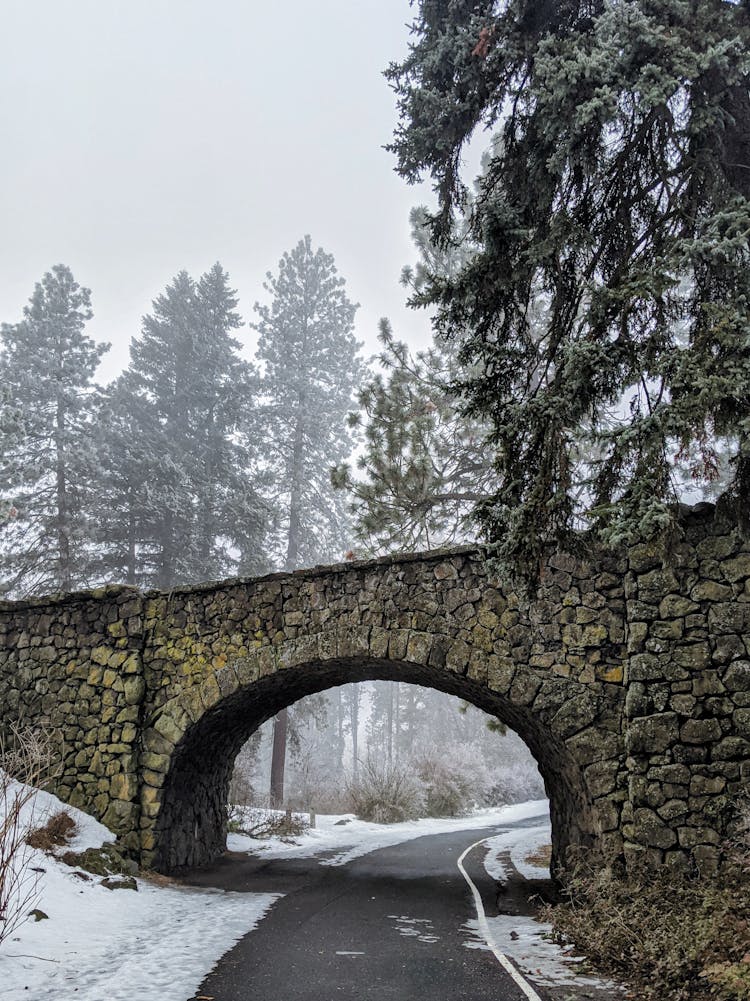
<point x="484" y="927"/>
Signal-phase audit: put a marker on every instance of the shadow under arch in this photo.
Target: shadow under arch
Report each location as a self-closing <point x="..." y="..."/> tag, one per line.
<point x="189" y="828"/>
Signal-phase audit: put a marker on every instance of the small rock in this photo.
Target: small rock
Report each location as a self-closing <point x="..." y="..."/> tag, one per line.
<point x="119" y="883"/>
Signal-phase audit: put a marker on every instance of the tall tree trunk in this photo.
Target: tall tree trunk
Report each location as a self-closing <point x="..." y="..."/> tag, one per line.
<point x="355" y="733"/>
<point x="389" y="726"/>
<point x="396" y="720"/>
<point x="207" y="512"/>
<point x="278" y="759"/>
<point x="295" y="494"/>
<point x="61" y="486"/>
<point x="339" y="732"/>
<point x="165" y="575"/>
<point x="130" y="568"/>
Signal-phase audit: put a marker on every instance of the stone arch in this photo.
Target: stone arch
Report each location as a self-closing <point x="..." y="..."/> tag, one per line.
<point x="191" y="743"/>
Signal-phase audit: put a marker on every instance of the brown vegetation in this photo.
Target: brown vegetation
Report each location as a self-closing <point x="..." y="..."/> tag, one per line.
<point x="55" y="833"/>
<point x="670" y="934"/>
<point x="25" y="763"/>
<point x="541" y="857"/>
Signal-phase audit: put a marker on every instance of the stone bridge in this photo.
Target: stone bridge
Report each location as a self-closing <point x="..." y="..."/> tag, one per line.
<point x="630" y="683"/>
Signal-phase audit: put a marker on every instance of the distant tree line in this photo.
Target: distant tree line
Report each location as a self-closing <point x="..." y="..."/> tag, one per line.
<point x="340" y="737"/>
<point x="195" y="463"/>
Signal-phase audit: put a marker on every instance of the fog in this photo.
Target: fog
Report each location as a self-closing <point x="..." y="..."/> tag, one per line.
<point x="142" y="138"/>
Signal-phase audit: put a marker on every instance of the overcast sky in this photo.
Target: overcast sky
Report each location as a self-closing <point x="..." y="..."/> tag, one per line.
<point x="141" y="137"/>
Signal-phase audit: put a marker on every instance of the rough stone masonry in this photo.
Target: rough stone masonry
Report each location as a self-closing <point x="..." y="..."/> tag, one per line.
<point x="629" y="681"/>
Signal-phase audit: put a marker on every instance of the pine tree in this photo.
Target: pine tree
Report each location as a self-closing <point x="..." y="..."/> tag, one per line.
<point x="311" y="369"/>
<point x="180" y="470"/>
<point x="619" y="185"/>
<point x="425" y="465"/>
<point x="48" y="364"/>
<point x="131" y="450"/>
<point x="11" y="435"/>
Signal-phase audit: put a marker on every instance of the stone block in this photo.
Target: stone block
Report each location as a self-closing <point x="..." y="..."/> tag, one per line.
<point x="700" y="731"/>
<point x="652" y="734"/>
<point x="737" y="569"/>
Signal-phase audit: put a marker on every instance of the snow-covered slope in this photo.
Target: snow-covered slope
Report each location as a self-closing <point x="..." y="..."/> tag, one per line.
<point x="116" y="945"/>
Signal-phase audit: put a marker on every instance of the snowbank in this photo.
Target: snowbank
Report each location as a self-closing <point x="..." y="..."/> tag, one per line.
<point x="116" y="945"/>
<point x="348" y="838"/>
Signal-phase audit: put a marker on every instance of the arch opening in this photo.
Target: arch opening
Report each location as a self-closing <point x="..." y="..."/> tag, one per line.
<point x="191" y="824"/>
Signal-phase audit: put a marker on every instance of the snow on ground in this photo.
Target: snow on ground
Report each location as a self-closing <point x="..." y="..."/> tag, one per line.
<point x="518" y="844"/>
<point x="116" y="945"/>
<point x="348" y="838"/>
<point x="527" y="942"/>
<point x="523" y="939"/>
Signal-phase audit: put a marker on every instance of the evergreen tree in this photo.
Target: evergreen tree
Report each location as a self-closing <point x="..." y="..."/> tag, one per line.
<point x="425" y="465"/>
<point x="132" y="455"/>
<point x="620" y="187"/>
<point x="11" y="435"/>
<point x="311" y="369"/>
<point x="48" y="364"/>
<point x="180" y="462"/>
<point x="351" y="700"/>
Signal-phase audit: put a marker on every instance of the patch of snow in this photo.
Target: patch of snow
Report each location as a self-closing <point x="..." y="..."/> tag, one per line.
<point x="405" y="926"/>
<point x="528" y="943"/>
<point x="358" y="837"/>
<point x="522" y="938"/>
<point x="89" y="833"/>
<point x="519" y="844"/>
<point x="116" y="945"/>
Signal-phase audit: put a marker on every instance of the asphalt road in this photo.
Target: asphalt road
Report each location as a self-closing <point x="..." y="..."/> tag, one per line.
<point x="384" y="927"/>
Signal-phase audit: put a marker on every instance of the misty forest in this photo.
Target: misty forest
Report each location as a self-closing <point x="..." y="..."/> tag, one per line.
<point x="563" y="373"/>
<point x="203" y="461"/>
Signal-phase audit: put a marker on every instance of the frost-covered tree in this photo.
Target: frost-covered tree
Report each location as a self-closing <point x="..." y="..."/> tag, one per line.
<point x="47" y="366"/>
<point x="619" y="186"/>
<point x="180" y="460"/>
<point x="424" y="465"/>
<point x="131" y="451"/>
<point x="11" y="434"/>
<point x="311" y="368"/>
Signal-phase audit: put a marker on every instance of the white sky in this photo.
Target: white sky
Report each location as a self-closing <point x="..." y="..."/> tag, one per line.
<point x="141" y="137"/>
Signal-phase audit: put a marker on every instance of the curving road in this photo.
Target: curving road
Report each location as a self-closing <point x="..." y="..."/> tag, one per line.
<point x="388" y="926"/>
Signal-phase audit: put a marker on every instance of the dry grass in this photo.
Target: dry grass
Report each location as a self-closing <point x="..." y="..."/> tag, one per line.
<point x="258" y="822"/>
<point x="386" y="794"/>
<point x="55" y="833"/>
<point x="669" y="934"/>
<point x="541" y="857"/>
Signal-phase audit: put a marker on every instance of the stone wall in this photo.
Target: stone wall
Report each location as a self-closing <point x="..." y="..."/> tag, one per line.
<point x="687" y="707"/>
<point x="73" y="665"/>
<point x="629" y="682"/>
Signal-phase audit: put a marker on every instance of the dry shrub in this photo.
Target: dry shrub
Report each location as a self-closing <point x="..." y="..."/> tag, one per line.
<point x="386" y="794"/>
<point x="55" y="833"/>
<point x="541" y="857"/>
<point x="25" y="764"/>
<point x="454" y="780"/>
<point x="671" y="934"/>
<point x="258" y="822"/>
